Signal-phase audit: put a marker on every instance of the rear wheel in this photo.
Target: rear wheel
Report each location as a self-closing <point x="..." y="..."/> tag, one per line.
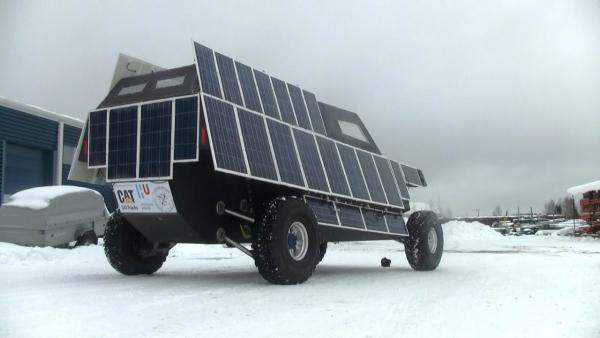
<point x="425" y="245"/>
<point x="128" y="251"/>
<point x="322" y="251"/>
<point x="285" y="241"/>
<point x="87" y="238"/>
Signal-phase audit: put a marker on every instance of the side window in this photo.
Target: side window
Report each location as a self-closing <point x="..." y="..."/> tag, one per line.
<point x="171" y="82"/>
<point x="132" y="89"/>
<point x="353" y="130"/>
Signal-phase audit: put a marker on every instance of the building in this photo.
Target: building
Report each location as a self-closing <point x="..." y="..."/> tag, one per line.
<point x="36" y="149"/>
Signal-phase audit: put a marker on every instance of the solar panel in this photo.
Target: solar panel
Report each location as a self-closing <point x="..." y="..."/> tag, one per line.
<point x="324" y="211"/>
<point x="229" y="80"/>
<point x="333" y="166"/>
<point x="263" y="82"/>
<point x="353" y="173"/>
<point x="248" y="85"/>
<point x="283" y="101"/>
<point x="387" y="178"/>
<point x="350" y="216"/>
<point x="400" y="180"/>
<point x="299" y="107"/>
<point x="186" y="128"/>
<point x="285" y="153"/>
<point x="314" y="112"/>
<point x="311" y="163"/>
<point x="223" y="131"/>
<point x="122" y="143"/>
<point x="396" y="224"/>
<point x="371" y="177"/>
<point x="374" y="220"/>
<point x="256" y="143"/>
<point x="209" y="79"/>
<point x="155" y="140"/>
<point x="412" y="175"/>
<point x="97" y="139"/>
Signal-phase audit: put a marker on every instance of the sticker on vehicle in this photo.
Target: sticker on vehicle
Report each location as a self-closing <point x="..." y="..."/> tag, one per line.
<point x="144" y="197"/>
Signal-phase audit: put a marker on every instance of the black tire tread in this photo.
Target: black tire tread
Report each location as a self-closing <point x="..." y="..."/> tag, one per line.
<point x="119" y="238"/>
<point x="415" y="246"/>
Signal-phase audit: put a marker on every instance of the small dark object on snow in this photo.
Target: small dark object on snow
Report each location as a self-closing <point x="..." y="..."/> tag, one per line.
<point x="385" y="262"/>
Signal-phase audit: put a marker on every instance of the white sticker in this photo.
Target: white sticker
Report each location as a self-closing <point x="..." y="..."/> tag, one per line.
<point x="144" y="197"/>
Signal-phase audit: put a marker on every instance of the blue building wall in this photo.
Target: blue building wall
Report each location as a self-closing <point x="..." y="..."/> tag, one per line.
<point x="22" y="129"/>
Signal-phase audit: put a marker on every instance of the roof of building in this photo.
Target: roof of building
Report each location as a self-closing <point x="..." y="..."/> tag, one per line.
<point x="41" y="112"/>
<point x="580" y="189"/>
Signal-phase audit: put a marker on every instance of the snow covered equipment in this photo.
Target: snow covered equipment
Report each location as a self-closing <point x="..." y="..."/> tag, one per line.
<point x="53" y="216"/>
<point x="219" y="152"/>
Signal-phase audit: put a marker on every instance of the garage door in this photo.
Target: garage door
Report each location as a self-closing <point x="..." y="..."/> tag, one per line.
<point x="26" y="167"/>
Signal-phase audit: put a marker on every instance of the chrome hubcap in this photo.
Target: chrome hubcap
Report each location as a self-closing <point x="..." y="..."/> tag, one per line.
<point x="432" y="240"/>
<point x="297" y="241"/>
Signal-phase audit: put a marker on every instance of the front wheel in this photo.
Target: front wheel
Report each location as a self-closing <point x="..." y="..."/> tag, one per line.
<point x="425" y="244"/>
<point x="128" y="251"/>
<point x="285" y="242"/>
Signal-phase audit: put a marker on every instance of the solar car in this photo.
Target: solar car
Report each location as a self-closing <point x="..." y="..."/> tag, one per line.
<point x="220" y="152"/>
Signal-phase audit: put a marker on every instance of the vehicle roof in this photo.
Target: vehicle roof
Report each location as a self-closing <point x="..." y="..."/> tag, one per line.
<point x="149" y="91"/>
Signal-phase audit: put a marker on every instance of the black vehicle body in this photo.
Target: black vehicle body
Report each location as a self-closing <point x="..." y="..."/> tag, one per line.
<point x="209" y="197"/>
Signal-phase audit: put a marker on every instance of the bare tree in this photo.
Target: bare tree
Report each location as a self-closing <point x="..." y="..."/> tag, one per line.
<point x="568" y="208"/>
<point x="550" y="207"/>
<point x="497" y="211"/>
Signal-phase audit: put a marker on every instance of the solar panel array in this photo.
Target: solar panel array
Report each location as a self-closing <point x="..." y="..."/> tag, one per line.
<point x="266" y="129"/>
<point x="330" y="213"/>
<point x="97" y="139"/>
<point x="144" y="139"/>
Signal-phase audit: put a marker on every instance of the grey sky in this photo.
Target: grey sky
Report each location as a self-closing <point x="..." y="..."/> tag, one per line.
<point x="498" y="102"/>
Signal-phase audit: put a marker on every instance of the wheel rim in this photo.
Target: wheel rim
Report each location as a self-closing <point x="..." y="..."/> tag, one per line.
<point x="297" y="241"/>
<point x="432" y="240"/>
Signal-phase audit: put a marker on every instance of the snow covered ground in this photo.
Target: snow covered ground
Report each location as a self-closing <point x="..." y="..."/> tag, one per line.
<point x="486" y="286"/>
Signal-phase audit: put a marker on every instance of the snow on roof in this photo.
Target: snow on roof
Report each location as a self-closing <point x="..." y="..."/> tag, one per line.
<point x="41" y="112"/>
<point x="40" y="197"/>
<point x="580" y="189"/>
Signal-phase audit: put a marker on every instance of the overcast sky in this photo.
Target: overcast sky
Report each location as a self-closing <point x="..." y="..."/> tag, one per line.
<point x="497" y="101"/>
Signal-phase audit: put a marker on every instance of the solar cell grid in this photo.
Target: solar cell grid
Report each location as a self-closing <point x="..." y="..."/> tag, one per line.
<point x="350" y="216"/>
<point x="333" y="166"/>
<point x="186" y="128"/>
<point x="324" y="211"/>
<point x="396" y="224"/>
<point x="256" y="144"/>
<point x="155" y="140"/>
<point x="229" y="79"/>
<point x="311" y="163"/>
<point x="387" y="178"/>
<point x="371" y="177"/>
<point x="374" y="220"/>
<point x="353" y="173"/>
<point x="285" y="153"/>
<point x="97" y="139"/>
<point x="283" y="101"/>
<point x="209" y="79"/>
<point x="122" y="143"/>
<point x="314" y="112"/>
<point x="224" y="135"/>
<point x="263" y="82"/>
<point x="299" y="107"/>
<point x="400" y="180"/>
<point x="248" y="85"/>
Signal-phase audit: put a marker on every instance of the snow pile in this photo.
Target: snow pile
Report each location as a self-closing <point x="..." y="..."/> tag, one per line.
<point x="12" y="254"/>
<point x="461" y="230"/>
<point x="40" y="197"/>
